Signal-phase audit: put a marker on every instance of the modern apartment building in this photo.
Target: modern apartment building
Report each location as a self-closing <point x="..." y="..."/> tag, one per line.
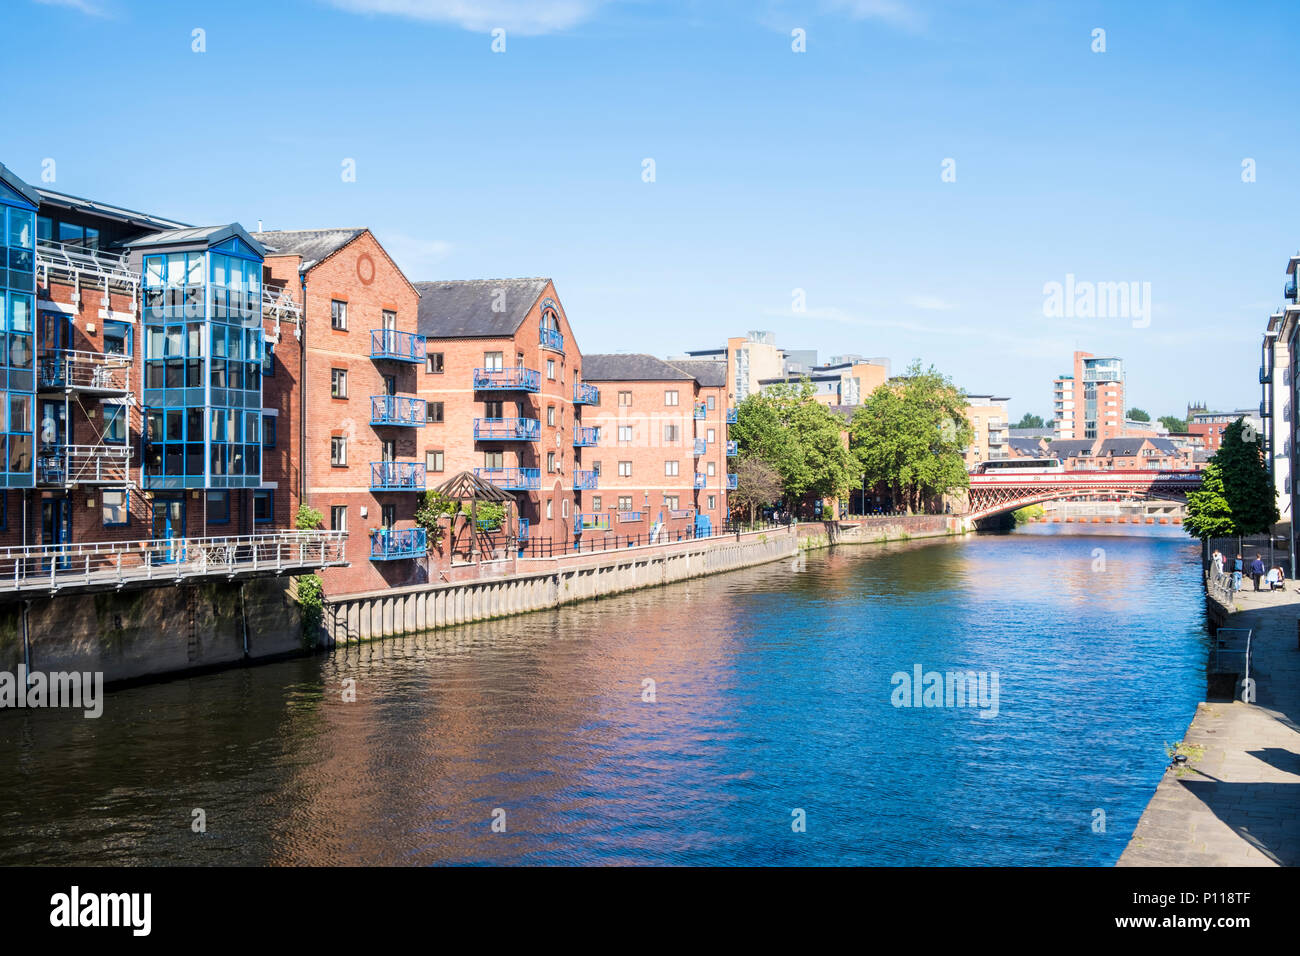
<point x="1212" y="424"/>
<point x="662" y="447"/>
<point x="1088" y="402"/>
<point x="987" y="415"/>
<point x="505" y="394"/>
<point x="845" y="384"/>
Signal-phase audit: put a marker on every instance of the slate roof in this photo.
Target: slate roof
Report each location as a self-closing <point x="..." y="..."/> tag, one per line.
<point x="313" y="245"/>
<point x="1027" y="446"/>
<point x="1130" y="447"/>
<point x="205" y="234"/>
<point x="633" y="367"/>
<point x="464" y="308"/>
<point x="709" y="374"/>
<point x="1070" y="447"/>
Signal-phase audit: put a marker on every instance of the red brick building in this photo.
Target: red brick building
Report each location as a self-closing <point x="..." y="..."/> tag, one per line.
<point x="662" y="447"/>
<point x="504" y="386"/>
<point x="342" y="417"/>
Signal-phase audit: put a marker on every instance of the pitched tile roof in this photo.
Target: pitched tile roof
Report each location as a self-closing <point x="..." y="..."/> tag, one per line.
<point x="708" y="374"/>
<point x="630" y="367"/>
<point x="467" y="308"/>
<point x="313" y="245"/>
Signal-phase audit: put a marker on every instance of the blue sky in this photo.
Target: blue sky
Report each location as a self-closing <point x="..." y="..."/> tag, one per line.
<point x="774" y="170"/>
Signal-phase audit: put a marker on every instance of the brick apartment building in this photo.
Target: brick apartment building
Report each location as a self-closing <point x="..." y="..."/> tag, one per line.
<point x="504" y="386"/>
<point x="988" y="419"/>
<point x="342" y="421"/>
<point x="1088" y="403"/>
<point x="1107" y="454"/>
<point x="662" y="447"/>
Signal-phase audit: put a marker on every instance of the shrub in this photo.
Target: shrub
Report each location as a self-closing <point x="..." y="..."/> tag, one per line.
<point x="308" y="519"/>
<point x="311" y="604"/>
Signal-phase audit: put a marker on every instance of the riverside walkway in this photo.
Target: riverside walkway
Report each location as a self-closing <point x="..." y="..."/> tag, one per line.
<point x="1238" y="802"/>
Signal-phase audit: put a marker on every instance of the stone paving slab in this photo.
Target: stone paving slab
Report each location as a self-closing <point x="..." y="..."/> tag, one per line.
<point x="1239" y="804"/>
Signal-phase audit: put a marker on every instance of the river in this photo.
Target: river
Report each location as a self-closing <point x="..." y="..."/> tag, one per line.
<point x="772" y="736"/>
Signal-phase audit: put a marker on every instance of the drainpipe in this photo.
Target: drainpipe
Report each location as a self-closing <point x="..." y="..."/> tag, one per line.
<point x="243" y="614"/>
<point x="27" y="647"/>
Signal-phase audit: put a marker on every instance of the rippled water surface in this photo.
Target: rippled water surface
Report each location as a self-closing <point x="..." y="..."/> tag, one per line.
<point x="773" y="693"/>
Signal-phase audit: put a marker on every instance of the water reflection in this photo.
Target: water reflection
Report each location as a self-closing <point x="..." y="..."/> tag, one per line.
<point x="771" y="693"/>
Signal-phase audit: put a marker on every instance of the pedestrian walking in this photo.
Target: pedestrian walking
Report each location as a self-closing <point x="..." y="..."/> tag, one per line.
<point x="1256" y="570"/>
<point x="1238" y="568"/>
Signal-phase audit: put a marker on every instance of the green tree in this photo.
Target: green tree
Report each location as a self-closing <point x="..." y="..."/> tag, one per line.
<point x="757" y="484"/>
<point x="1208" y="513"/>
<point x="1029" y="421"/>
<point x="430" y="513"/>
<point x="1173" y="423"/>
<point x="800" y="438"/>
<point x="1138" y="415"/>
<point x="308" y="518"/>
<point x="1247" y="484"/>
<point x="909" y="435"/>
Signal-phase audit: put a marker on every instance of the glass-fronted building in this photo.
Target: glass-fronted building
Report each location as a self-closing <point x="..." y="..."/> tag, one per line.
<point x="18" y="205"/>
<point x="203" y="345"/>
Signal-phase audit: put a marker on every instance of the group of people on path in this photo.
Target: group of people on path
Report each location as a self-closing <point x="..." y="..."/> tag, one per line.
<point x="1273" y="578"/>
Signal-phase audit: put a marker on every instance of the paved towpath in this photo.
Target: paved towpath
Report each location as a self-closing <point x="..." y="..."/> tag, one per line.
<point x="1238" y="804"/>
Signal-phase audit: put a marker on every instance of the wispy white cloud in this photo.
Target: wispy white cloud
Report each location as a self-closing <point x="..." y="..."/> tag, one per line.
<point x="416" y="257"/>
<point x="88" y="7"/>
<point x="929" y="303"/>
<point x="896" y="12"/>
<point x="482" y="16"/>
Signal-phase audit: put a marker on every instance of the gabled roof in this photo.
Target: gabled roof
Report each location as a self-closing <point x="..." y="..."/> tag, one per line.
<point x="10" y="179"/>
<point x="313" y="245"/>
<point x="1130" y="447"/>
<point x="1027" y="446"/>
<point x="1070" y="447"/>
<point x="631" y="367"/>
<point x="466" y="308"/>
<point x="208" y="235"/>
<point x="708" y="374"/>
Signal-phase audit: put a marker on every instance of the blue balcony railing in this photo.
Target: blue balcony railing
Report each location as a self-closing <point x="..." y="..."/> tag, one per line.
<point x="397" y="410"/>
<point x="395" y="345"/>
<point x="586" y="480"/>
<point x="507" y="429"/>
<point x="701" y="410"/>
<point x="701" y="481"/>
<point x="397" y="476"/>
<point x="731" y="481"/>
<point x="586" y="437"/>
<point x="731" y="416"/>
<point x="591" y="522"/>
<point x="507" y="380"/>
<point x="1265" y="376"/>
<point x="584" y="394"/>
<point x="512" y="479"/>
<point x="630" y="515"/>
<point x="701" y="447"/>
<point x="733" y="449"/>
<point x="551" y="339"/>
<point x="523" y="529"/>
<point x="1289" y="290"/>
<point x="394" y="544"/>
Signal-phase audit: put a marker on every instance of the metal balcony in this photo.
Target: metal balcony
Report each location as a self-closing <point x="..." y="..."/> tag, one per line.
<point x="1265" y="376"/>
<point x="591" y="522"/>
<point x="630" y="515"/>
<point x="97" y="373"/>
<point x="586" y="437"/>
<point x="732" y="481"/>
<point x="701" y="447"/>
<point x="731" y="416"/>
<point x="68" y="465"/>
<point x="397" y="476"/>
<point x="701" y="481"/>
<point x="1289" y="289"/>
<point x="507" y="429"/>
<point x="507" y="380"/>
<point x="701" y="411"/>
<point x="551" y="339"/>
<point x="584" y="394"/>
<point x="394" y="544"/>
<point x="399" y="410"/>
<point x="586" y="480"/>
<point x="397" y="346"/>
<point x="77" y="263"/>
<point x="512" y="479"/>
<point x="733" y="449"/>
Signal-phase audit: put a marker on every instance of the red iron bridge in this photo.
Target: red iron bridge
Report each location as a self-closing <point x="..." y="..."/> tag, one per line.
<point x="997" y="491"/>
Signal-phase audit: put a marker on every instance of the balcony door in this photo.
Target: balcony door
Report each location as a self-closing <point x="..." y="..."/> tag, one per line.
<point x="388" y="449"/>
<point x="169" y="527"/>
<point x="56" y="331"/>
<point x="56" y="525"/>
